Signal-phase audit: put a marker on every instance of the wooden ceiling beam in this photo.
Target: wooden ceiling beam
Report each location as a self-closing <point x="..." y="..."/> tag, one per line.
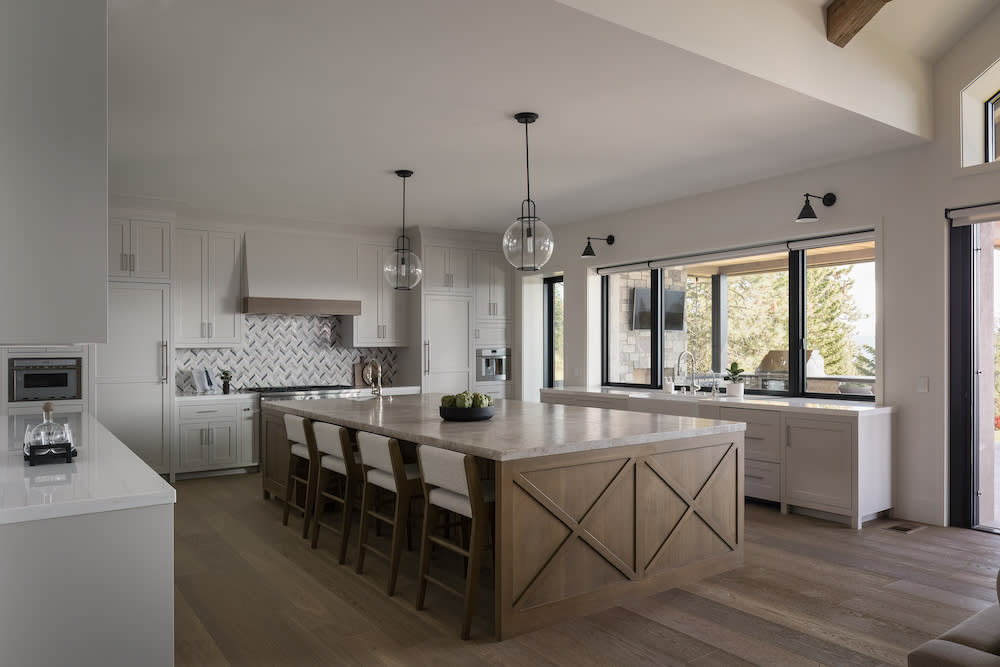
<point x="846" y="18"/>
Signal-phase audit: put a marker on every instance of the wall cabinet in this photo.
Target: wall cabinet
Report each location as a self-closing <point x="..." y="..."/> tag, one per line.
<point x="447" y="335"/>
<point x="493" y="285"/>
<point x="215" y="434"/>
<point x="207" y="287"/>
<point x="447" y="268"/>
<point x="382" y="322"/>
<point x="139" y="250"/>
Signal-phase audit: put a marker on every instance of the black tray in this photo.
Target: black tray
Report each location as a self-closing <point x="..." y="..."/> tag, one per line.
<point x="466" y="414"/>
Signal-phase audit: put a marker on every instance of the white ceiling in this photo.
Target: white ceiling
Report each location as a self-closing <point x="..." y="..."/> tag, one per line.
<point x="303" y="109"/>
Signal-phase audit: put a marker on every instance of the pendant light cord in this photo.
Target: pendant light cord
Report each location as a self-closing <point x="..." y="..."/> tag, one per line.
<point x="527" y="161"/>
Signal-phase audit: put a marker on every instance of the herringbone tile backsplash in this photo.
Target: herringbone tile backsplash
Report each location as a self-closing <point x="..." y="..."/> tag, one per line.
<point x="281" y="350"/>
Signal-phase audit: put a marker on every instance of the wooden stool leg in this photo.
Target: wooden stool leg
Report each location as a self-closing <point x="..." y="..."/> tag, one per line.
<point x="289" y="487"/>
<point x="425" y="555"/>
<point x="345" y="525"/>
<point x="322" y="483"/>
<point x="400" y="519"/>
<point x="366" y="502"/>
<point x="311" y="482"/>
<point x="476" y="542"/>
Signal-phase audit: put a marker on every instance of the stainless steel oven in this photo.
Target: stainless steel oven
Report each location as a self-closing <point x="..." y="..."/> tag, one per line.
<point x="55" y="379"/>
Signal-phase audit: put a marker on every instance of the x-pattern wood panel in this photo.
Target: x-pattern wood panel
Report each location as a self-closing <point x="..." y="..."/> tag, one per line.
<point x="695" y="506"/>
<point x="578" y="529"/>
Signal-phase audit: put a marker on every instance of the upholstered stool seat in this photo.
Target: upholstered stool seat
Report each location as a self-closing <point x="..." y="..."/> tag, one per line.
<point x="341" y="465"/>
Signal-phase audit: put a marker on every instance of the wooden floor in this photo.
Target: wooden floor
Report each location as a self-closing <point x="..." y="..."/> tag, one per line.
<point x="249" y="591"/>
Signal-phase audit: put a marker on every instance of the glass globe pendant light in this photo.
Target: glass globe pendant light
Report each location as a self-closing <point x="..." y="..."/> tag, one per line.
<point x="403" y="269"/>
<point x="527" y="244"/>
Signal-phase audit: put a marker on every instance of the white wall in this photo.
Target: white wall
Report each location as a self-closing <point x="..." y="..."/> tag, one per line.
<point x="53" y="171"/>
<point x="901" y="194"/>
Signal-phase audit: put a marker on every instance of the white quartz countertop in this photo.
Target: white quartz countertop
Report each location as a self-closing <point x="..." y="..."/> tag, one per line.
<point x="783" y="404"/>
<point x="518" y="429"/>
<point x="198" y="398"/>
<point x="104" y="476"/>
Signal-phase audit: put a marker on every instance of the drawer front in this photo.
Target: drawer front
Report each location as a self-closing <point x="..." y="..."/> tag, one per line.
<point x="763" y="434"/>
<point x="762" y="480"/>
<point x="208" y="411"/>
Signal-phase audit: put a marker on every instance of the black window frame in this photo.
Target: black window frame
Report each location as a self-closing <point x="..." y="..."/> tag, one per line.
<point x="797" y="307"/>
<point x="991" y="106"/>
<point x="548" y="321"/>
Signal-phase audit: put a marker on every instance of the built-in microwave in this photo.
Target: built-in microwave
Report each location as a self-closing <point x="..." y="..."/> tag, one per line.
<point x="56" y="379"/>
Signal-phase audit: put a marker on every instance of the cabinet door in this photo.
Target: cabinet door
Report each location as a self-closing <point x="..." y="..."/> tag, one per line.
<point x="460" y="268"/>
<point x="118" y="248"/>
<point x="225" y="319"/>
<point x="502" y="285"/>
<point x="192" y="447"/>
<point x="394" y="309"/>
<point x="367" y="325"/>
<point x="483" y="285"/>
<point x="137" y="321"/>
<point x="447" y="343"/>
<point x="135" y="413"/>
<point x="818" y="463"/>
<point x="190" y="282"/>
<point x="436" y="271"/>
<point x="150" y="243"/>
<point x="222" y="443"/>
<point x="247" y="449"/>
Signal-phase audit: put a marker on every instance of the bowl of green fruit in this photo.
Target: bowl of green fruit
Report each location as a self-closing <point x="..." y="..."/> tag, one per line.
<point x="466" y="407"/>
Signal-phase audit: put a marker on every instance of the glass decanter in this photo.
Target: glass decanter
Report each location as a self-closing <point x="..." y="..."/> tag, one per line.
<point x="48" y="432"/>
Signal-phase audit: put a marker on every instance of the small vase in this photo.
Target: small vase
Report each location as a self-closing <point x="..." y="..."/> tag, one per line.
<point x="225" y="387"/>
<point x="734" y="390"/>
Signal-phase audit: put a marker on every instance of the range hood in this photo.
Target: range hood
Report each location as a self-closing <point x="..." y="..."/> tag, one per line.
<point x="300" y="274"/>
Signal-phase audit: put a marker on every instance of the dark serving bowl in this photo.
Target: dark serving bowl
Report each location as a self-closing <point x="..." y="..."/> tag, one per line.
<point x="466" y="414"/>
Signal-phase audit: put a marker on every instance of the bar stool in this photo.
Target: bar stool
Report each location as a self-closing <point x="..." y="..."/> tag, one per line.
<point x="383" y="467"/>
<point x="451" y="482"/>
<point x="302" y="469"/>
<point x="337" y="459"/>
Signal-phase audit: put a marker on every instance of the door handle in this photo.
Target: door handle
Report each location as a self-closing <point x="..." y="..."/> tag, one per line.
<point x="166" y="372"/>
<point x="427" y="355"/>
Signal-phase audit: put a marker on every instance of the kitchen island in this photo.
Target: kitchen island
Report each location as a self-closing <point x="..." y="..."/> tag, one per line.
<point x="593" y="505"/>
<point x="86" y="554"/>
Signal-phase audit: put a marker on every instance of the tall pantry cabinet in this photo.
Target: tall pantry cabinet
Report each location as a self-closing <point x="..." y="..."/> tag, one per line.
<point x="132" y="378"/>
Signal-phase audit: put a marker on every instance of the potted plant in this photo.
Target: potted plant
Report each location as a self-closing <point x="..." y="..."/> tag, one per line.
<point x="734" y="381"/>
<point x="226" y="377"/>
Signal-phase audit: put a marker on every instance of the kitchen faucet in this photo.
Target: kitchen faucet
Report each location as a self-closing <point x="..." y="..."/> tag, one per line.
<point x="373" y="375"/>
<point x="680" y="362"/>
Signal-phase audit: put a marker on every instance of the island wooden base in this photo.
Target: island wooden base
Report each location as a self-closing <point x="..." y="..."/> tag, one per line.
<point x="580" y="532"/>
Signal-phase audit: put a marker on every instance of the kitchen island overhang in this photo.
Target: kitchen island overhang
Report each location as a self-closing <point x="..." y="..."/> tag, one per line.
<point x="593" y="505"/>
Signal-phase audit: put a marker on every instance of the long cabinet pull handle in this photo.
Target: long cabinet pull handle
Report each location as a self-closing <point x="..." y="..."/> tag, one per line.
<point x="427" y="357"/>
<point x="166" y="360"/>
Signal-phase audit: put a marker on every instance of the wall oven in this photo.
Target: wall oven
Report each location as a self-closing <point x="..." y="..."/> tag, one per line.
<point x="45" y="379"/>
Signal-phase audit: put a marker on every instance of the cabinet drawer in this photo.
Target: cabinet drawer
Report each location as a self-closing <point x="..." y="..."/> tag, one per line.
<point x="762" y="480"/>
<point x="210" y="411"/>
<point x="763" y="434"/>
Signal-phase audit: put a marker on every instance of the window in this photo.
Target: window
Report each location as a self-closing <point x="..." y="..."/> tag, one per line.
<point x="554" y="332"/>
<point x="840" y="319"/>
<point x="630" y="341"/>
<point x="745" y="307"/>
<point x="992" y="125"/>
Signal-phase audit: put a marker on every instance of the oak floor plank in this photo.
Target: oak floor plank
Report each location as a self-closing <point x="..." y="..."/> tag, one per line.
<point x="250" y="591"/>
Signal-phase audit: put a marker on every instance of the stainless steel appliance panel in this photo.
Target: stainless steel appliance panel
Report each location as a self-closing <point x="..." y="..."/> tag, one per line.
<point x="491" y="364"/>
<point x="45" y="379"/>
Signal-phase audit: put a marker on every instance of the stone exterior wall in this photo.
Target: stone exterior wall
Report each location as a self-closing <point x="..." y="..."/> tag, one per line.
<point x="630" y="348"/>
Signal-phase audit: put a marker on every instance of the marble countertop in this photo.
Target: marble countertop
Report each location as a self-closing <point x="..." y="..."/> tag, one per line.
<point x="104" y="476"/>
<point x="784" y="404"/>
<point x="518" y="430"/>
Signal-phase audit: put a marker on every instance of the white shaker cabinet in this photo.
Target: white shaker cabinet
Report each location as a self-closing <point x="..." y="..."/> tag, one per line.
<point x="762" y="461"/>
<point x="215" y="433"/>
<point x="447" y="353"/>
<point x="207" y="270"/>
<point x="494" y="278"/>
<point x="382" y="322"/>
<point x="447" y="268"/>
<point x="130" y="390"/>
<point x="139" y="250"/>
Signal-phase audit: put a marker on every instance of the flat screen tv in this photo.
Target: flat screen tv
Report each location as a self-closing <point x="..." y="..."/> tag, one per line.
<point x="673" y="309"/>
